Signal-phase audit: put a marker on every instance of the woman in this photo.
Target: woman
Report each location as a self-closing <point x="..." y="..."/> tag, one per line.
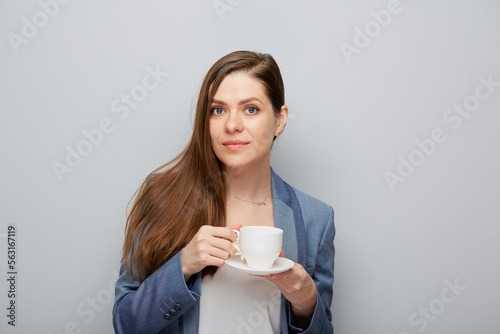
<point x="181" y="227"/>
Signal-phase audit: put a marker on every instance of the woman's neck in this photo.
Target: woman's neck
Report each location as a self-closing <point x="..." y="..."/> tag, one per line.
<point x="251" y="184"/>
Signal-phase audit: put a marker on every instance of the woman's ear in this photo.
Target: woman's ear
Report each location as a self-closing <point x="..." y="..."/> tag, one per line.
<point x="282" y="118"/>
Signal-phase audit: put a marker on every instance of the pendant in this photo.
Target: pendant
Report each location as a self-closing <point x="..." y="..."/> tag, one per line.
<point x="261" y="203"/>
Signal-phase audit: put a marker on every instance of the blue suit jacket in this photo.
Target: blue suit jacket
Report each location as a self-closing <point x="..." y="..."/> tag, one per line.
<point x="165" y="303"/>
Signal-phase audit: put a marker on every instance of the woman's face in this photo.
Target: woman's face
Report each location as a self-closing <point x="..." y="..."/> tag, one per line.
<point x="243" y="123"/>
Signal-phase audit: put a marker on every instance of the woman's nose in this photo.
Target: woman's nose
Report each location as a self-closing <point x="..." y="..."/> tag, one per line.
<point x="234" y="122"/>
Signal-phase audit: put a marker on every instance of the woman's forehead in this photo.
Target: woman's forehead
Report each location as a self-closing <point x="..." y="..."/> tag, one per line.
<point x="240" y="86"/>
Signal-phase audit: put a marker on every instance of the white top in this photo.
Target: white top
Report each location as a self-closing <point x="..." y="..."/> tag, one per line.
<point x="235" y="302"/>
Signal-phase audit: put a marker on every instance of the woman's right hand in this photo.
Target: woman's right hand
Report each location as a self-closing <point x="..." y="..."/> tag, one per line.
<point x="210" y="246"/>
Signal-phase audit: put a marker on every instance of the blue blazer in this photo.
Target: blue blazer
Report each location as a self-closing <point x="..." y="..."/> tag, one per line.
<point x="165" y="303"/>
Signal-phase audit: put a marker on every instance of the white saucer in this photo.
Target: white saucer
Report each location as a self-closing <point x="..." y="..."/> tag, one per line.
<point x="280" y="265"/>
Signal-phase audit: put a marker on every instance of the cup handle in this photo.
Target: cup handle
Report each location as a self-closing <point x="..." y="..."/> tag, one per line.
<point x="235" y="246"/>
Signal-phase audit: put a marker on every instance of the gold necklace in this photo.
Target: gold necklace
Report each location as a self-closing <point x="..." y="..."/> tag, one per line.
<point x="258" y="203"/>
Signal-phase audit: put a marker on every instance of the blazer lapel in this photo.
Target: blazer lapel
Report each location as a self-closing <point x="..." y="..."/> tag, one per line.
<point x="288" y="217"/>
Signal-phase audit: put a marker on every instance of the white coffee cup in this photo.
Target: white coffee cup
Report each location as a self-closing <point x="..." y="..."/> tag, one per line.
<point x="260" y="246"/>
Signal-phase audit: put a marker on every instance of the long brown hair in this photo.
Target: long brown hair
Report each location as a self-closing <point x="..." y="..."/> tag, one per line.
<point x="179" y="197"/>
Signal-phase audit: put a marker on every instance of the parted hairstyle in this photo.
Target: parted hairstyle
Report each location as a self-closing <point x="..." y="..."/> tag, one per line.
<point x="176" y="199"/>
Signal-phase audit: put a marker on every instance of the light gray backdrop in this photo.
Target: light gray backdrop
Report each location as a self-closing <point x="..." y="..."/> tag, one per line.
<point x="394" y="122"/>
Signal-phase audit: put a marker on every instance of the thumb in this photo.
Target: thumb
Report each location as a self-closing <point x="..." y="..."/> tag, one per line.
<point x="282" y="253"/>
<point x="235" y="227"/>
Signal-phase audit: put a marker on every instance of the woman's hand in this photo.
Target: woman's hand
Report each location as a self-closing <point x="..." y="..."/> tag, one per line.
<point x="299" y="289"/>
<point x="210" y="246"/>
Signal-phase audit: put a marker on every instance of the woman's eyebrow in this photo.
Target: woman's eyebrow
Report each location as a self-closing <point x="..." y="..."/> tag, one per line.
<point x="245" y="101"/>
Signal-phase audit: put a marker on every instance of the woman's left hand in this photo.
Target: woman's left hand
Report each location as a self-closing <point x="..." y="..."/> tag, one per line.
<point x="298" y="288"/>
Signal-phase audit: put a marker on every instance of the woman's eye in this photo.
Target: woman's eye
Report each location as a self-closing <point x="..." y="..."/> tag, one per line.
<point x="217" y="111"/>
<point x="252" y="110"/>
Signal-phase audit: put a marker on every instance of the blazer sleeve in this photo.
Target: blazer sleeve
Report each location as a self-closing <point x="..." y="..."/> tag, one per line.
<point x="321" y="320"/>
<point x="157" y="302"/>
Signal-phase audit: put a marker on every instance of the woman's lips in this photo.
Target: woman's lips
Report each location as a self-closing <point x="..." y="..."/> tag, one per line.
<point x="234" y="145"/>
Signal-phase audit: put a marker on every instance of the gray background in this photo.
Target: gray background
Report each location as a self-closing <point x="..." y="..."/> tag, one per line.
<point x="351" y="118"/>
